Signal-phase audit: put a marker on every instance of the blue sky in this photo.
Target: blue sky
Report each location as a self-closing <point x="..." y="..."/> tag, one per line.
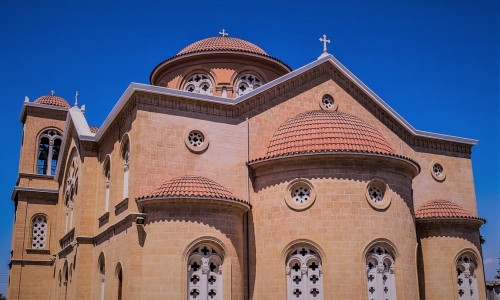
<point x="435" y="62"/>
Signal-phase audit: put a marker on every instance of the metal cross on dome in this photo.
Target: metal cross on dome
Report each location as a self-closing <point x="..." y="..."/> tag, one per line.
<point x="325" y="41"/>
<point x="52" y="92"/>
<point x="223" y="32"/>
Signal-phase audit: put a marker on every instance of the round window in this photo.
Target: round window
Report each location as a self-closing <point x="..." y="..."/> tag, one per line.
<point x="195" y="140"/>
<point x="376" y="194"/>
<point x="437" y="171"/>
<point x="300" y="194"/>
<point x="328" y="103"/>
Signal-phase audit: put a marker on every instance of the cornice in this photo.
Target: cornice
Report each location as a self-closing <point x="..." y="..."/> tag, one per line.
<point x="273" y="93"/>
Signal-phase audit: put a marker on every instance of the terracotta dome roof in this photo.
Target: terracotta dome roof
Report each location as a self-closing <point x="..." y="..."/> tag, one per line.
<point x="439" y="209"/>
<point x="192" y="187"/>
<point x="220" y="43"/>
<point x="53" y="100"/>
<point x="326" y="131"/>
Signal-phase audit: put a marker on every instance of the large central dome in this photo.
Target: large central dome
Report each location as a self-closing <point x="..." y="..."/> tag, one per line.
<point x="222" y="66"/>
<point x="222" y="44"/>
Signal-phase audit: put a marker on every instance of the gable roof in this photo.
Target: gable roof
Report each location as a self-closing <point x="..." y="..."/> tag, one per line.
<point x="137" y="87"/>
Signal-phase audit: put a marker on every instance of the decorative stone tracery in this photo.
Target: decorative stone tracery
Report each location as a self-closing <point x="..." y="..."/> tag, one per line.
<point x="247" y="83"/>
<point x="199" y="83"/>
<point x="380" y="275"/>
<point x="304" y="274"/>
<point x="39" y="232"/>
<point x="205" y="272"/>
<point x="466" y="278"/>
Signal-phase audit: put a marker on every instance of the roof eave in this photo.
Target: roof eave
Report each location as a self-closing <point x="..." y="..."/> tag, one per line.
<point x="142" y="201"/>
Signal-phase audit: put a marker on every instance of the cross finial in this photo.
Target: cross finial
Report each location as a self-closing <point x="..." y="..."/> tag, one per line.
<point x="325" y="41"/>
<point x="76" y="98"/>
<point x="223" y="32"/>
<point x="52" y="92"/>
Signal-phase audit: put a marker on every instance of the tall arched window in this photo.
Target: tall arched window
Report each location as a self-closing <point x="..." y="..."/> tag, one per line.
<point x="204" y="274"/>
<point x="304" y="274"/>
<point x="199" y="83"/>
<point x="247" y="83"/>
<point x="107" y="178"/>
<point x="48" y="152"/>
<point x="66" y="276"/>
<point x="380" y="275"/>
<point x="102" y="272"/>
<point x="126" y="162"/>
<point x="466" y="278"/>
<point x="119" y="281"/>
<point x="71" y="190"/>
<point x="39" y="234"/>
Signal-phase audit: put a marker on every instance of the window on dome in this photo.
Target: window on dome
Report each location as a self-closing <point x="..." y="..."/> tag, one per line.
<point x="466" y="278"/>
<point x="204" y="274"/>
<point x="200" y="84"/>
<point x="304" y="275"/>
<point x="39" y="228"/>
<point x="380" y="277"/>
<point x="247" y="83"/>
<point x="48" y="151"/>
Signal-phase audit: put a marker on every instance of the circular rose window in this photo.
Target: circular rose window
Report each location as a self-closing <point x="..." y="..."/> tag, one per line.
<point x="376" y="194"/>
<point x="328" y="103"/>
<point x="437" y="171"/>
<point x="300" y="194"/>
<point x="195" y="140"/>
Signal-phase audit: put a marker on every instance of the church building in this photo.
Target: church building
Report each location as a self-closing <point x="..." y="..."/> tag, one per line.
<point x="231" y="176"/>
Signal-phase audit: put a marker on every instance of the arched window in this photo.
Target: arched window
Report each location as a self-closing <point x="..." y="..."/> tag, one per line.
<point x="107" y="176"/>
<point x="466" y="278"/>
<point x="247" y="83"/>
<point x="380" y="276"/>
<point x="304" y="275"/>
<point x="204" y="274"/>
<point x="71" y="190"/>
<point x="119" y="281"/>
<point x="39" y="234"/>
<point x="102" y="272"/>
<point x="199" y="83"/>
<point x="66" y="276"/>
<point x="48" y="152"/>
<point x="126" y="162"/>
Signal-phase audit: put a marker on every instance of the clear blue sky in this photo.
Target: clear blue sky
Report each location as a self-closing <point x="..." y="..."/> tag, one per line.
<point x="435" y="62"/>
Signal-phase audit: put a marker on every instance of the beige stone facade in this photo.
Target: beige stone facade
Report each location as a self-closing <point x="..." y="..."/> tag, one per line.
<point x="184" y="165"/>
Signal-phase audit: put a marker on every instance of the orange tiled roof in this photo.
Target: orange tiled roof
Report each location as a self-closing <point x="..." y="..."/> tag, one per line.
<point x="53" y="100"/>
<point x="326" y="131"/>
<point x="192" y="187"/>
<point x="93" y="129"/>
<point x="220" y="43"/>
<point x="443" y="209"/>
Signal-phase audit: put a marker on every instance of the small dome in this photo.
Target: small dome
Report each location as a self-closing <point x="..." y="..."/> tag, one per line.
<point x="443" y="209"/>
<point x="192" y="187"/>
<point x="53" y="100"/>
<point x="326" y="131"/>
<point x="222" y="44"/>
